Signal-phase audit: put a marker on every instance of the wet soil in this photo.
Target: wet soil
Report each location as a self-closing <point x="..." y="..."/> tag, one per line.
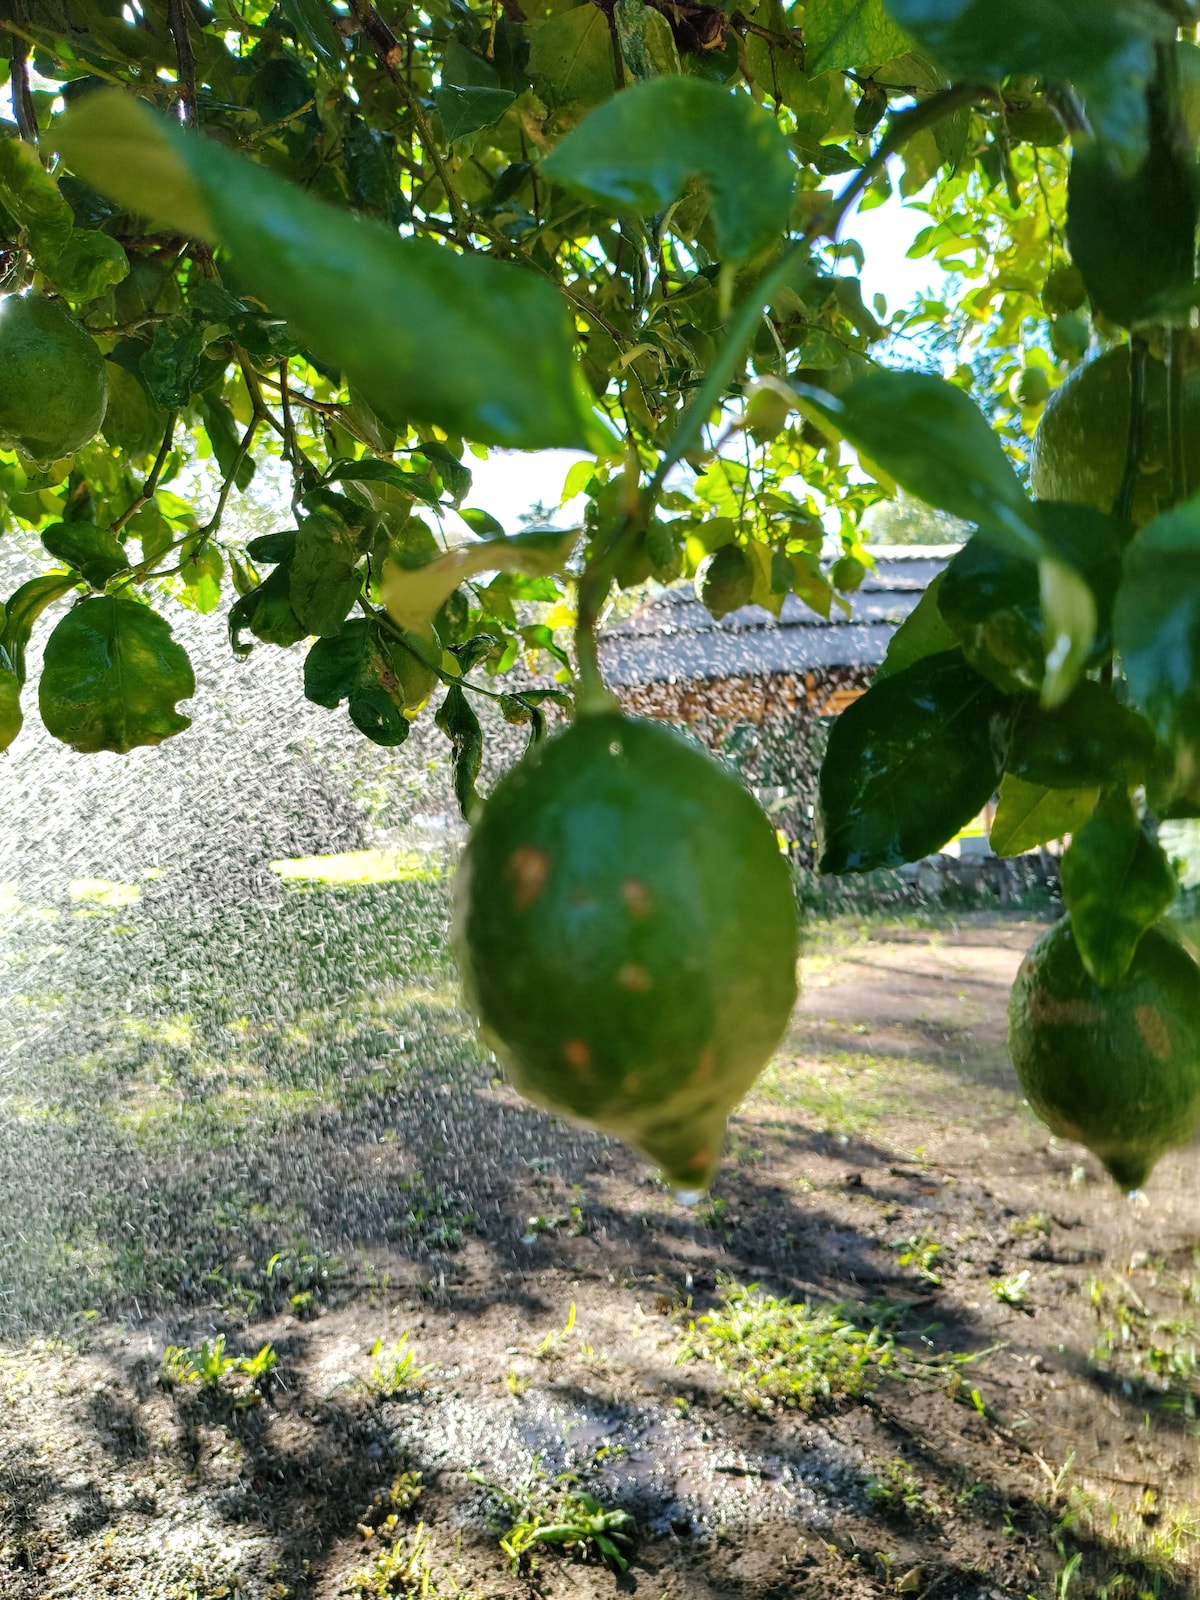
<point x="1028" y="1430"/>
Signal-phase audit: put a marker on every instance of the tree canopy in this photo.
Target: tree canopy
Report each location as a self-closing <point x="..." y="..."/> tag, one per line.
<point x="358" y="245"/>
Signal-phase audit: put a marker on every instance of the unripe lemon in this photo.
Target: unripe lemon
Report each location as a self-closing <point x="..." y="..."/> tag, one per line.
<point x="54" y="389"/>
<point x="627" y="933"/>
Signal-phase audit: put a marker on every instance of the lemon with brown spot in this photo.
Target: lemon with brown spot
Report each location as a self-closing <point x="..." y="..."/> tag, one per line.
<point x="627" y="932"/>
<point x="1117" y="1069"/>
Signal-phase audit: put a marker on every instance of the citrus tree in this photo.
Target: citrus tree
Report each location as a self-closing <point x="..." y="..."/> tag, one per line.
<point x="356" y="245"/>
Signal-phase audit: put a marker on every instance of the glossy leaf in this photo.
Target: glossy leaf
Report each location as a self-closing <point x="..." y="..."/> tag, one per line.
<point x="324" y="581"/>
<point x="1132" y="235"/>
<point x="111" y="677"/>
<point x="924" y="632"/>
<point x="931" y="439"/>
<point x="991" y="599"/>
<point x="10" y="702"/>
<point x="412" y="595"/>
<point x="1030" y="814"/>
<point x="637" y="152"/>
<point x="32" y="199"/>
<point x="92" y="550"/>
<point x="477" y="346"/>
<point x="457" y="720"/>
<point x="850" y="35"/>
<point x="909" y="764"/>
<point x="570" y="59"/>
<point x="89" y="263"/>
<point x="23" y="609"/>
<point x="465" y="111"/>
<point x="1156" y="626"/>
<point x="313" y="23"/>
<point x="1089" y="740"/>
<point x="267" y="612"/>
<point x="1117" y="882"/>
<point x="376" y="675"/>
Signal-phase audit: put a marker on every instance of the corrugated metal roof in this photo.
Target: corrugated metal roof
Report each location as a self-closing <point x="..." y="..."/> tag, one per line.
<point x="672" y="637"/>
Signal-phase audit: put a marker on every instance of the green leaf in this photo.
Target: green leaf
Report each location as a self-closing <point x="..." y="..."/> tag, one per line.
<point x="201" y="567"/>
<point x="10" y="703"/>
<point x="457" y="720"/>
<point x="1104" y="47"/>
<point x="89" y="263"/>
<point x="267" y="612"/>
<point x="31" y="198"/>
<point x="171" y="366"/>
<point x="1132" y="235"/>
<point x="22" y="611"/>
<point x="637" y="153"/>
<point x="934" y="441"/>
<point x="111" y="676"/>
<point x="1030" y="814"/>
<point x="226" y="440"/>
<point x="1156" y="627"/>
<point x="991" y="600"/>
<point x="570" y="59"/>
<point x="478" y="347"/>
<point x="375" y="674"/>
<point x="465" y="111"/>
<point x="325" y="581"/>
<point x="909" y="764"/>
<point x="924" y="632"/>
<point x="412" y="595"/>
<point x="847" y="35"/>
<point x="314" y="27"/>
<point x="370" y="470"/>
<point x="1089" y="740"/>
<point x="1116" y="884"/>
<point x="92" y="550"/>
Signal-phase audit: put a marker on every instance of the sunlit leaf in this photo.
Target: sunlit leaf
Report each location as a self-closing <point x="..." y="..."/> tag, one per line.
<point x="1031" y="814"/>
<point x="1117" y="882"/>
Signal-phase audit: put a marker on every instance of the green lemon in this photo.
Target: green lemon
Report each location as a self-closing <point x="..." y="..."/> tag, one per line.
<point x="627" y="934"/>
<point x="54" y="390"/>
<point x="846" y="574"/>
<point x="1115" y="1069"/>
<point x="1064" y="289"/>
<point x="1079" y="448"/>
<point x="725" y="580"/>
<point x="1070" y="335"/>
<point x="1030" y="388"/>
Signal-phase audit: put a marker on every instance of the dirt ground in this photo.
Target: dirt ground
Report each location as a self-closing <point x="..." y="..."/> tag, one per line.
<point x="992" y="1392"/>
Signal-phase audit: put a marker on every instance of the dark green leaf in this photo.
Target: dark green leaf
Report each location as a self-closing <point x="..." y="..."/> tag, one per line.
<point x="92" y="550"/>
<point x="31" y="198"/>
<point x="325" y="581"/>
<point x="465" y="111"/>
<point x="1029" y="815"/>
<point x="456" y="479"/>
<point x="22" y="611"/>
<point x="481" y="522"/>
<point x="10" y="703"/>
<point x="370" y="470"/>
<point x="909" y="764"/>
<point x="273" y="547"/>
<point x="111" y="676"/>
<point x="637" y="153"/>
<point x="1132" y="235"/>
<point x="226" y="439"/>
<point x="924" y="632"/>
<point x="171" y="366"/>
<point x="991" y="599"/>
<point x="267" y="612"/>
<point x="457" y="720"/>
<point x="313" y="23"/>
<point x="361" y="666"/>
<point x="1088" y="740"/>
<point x="1103" y="46"/>
<point x="1116" y="883"/>
<point x="479" y="347"/>
<point x="479" y="647"/>
<point x="848" y="35"/>
<point x="934" y="441"/>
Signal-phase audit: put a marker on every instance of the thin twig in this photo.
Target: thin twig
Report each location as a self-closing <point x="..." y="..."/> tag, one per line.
<point x="177" y="23"/>
<point x="151" y="484"/>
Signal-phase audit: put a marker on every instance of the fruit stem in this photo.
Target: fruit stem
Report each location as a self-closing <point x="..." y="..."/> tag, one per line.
<point x="591" y="697"/>
<point x="1138" y="353"/>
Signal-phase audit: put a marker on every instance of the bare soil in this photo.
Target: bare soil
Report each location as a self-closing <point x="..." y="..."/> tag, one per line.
<point x="1031" y="1432"/>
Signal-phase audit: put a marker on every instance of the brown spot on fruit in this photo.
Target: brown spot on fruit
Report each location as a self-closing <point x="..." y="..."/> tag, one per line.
<point x="527" y="870"/>
<point x="700" y="1160"/>
<point x="1152" y="1026"/>
<point x="636" y="897"/>
<point x="634" y="978"/>
<point x="704" y="1067"/>
<point x="577" y="1055"/>
<point x="1045" y="1007"/>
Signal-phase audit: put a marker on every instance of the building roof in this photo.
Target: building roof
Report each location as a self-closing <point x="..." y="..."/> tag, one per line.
<point x="673" y="638"/>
